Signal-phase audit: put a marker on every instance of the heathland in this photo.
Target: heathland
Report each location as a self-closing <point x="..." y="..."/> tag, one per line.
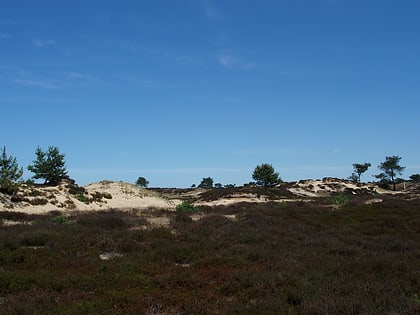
<point x="310" y="247"/>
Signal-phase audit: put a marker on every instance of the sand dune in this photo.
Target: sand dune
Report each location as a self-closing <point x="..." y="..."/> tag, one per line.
<point x="105" y="195"/>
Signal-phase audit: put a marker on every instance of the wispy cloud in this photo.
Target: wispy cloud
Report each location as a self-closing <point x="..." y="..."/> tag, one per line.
<point x="4" y="36"/>
<point x="212" y="12"/>
<point x="43" y="42"/>
<point x="78" y="75"/>
<point x="229" y="60"/>
<point x="39" y="83"/>
<point x="8" y="22"/>
<point x="146" y="83"/>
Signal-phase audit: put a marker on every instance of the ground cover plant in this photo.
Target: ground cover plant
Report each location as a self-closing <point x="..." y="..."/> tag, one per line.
<point x="266" y="258"/>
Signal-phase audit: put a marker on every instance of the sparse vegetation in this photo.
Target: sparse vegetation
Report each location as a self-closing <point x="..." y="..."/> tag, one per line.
<point x="83" y="198"/>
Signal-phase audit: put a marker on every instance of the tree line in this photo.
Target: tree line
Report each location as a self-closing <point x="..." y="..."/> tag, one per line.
<point x="264" y="175"/>
<point x="49" y="165"/>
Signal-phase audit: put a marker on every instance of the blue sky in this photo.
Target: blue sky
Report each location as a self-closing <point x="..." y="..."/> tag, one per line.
<point x="178" y="90"/>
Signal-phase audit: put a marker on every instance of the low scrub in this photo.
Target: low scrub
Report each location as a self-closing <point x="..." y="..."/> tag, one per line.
<point x="300" y="258"/>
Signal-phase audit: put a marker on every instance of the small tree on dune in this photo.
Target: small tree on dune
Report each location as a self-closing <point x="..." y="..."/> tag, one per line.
<point x="49" y="165"/>
<point x="10" y="173"/>
<point x="390" y="168"/>
<point x="265" y="175"/>
<point x="359" y="169"/>
<point x="142" y="182"/>
<point x="207" y="182"/>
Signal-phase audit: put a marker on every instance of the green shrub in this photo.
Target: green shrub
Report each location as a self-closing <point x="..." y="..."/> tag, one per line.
<point x="60" y="220"/>
<point x="339" y="200"/>
<point x="83" y="198"/>
<point x="186" y="206"/>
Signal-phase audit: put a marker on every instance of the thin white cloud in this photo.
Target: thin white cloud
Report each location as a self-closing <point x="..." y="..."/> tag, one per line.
<point x="35" y="83"/>
<point x="43" y="42"/>
<point x="4" y="36"/>
<point x="149" y="84"/>
<point x="78" y="75"/>
<point x="229" y="60"/>
<point x="8" y="22"/>
<point x="212" y="12"/>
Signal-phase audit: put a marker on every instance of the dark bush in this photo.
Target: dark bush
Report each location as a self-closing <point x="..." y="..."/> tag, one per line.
<point x="38" y="201"/>
<point x="102" y="220"/>
<point x="76" y="190"/>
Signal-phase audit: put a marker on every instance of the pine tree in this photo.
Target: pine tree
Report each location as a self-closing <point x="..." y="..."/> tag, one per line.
<point x="359" y="169"/>
<point x="10" y="173"/>
<point x="49" y="165"/>
<point x="207" y="183"/>
<point x="265" y="176"/>
<point x="390" y="168"/>
<point x="142" y="182"/>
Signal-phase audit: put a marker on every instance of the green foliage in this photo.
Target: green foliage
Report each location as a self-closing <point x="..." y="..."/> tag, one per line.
<point x="415" y="178"/>
<point x="339" y="200"/>
<point x="30" y="182"/>
<point x="186" y="206"/>
<point x="359" y="169"/>
<point x="265" y="175"/>
<point x="10" y="173"/>
<point x="83" y="198"/>
<point x="49" y="165"/>
<point x="390" y="168"/>
<point x="354" y="178"/>
<point x="206" y="182"/>
<point x="142" y="182"/>
<point x="60" y="220"/>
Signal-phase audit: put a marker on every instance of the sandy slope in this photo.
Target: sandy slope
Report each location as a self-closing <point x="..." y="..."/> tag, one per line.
<point x="112" y="195"/>
<point x="328" y="186"/>
<point x="129" y="196"/>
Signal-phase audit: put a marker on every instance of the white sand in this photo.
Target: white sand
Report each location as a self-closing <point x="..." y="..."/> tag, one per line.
<point x="124" y="197"/>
